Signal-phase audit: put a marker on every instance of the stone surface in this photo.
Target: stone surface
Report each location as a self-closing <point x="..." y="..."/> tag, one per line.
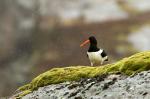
<point x="115" y="86"/>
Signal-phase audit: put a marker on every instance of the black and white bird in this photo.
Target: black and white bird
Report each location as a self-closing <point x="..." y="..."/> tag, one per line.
<point x="95" y="54"/>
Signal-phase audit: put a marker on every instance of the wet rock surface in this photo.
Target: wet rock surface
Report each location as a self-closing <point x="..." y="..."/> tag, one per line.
<point x="115" y="86"/>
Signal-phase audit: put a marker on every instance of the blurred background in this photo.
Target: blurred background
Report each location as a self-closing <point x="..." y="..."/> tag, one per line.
<point x="37" y="35"/>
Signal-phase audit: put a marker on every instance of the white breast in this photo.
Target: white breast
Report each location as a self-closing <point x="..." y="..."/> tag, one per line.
<point x="95" y="57"/>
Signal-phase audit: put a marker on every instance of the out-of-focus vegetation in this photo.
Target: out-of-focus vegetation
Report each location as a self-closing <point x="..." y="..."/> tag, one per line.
<point x="36" y="35"/>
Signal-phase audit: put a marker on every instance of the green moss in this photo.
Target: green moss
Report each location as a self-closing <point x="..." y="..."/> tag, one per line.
<point x="25" y="87"/>
<point x="23" y="93"/>
<point x="136" y="63"/>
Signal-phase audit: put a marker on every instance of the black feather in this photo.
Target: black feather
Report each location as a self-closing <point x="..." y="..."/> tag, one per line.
<point x="103" y="54"/>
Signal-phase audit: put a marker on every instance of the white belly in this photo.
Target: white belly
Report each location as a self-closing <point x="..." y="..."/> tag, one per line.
<point x="95" y="57"/>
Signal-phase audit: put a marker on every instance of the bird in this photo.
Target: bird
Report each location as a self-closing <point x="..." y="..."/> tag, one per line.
<point x="95" y="54"/>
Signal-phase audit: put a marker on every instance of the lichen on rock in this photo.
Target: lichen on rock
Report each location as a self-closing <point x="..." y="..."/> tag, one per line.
<point x="128" y="66"/>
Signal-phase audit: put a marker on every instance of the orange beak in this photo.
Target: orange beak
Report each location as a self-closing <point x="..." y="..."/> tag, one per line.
<point x="85" y="42"/>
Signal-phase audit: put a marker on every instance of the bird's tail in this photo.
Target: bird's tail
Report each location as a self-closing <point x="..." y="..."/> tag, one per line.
<point x="106" y="59"/>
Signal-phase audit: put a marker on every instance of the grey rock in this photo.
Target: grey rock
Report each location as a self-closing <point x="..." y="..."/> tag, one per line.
<point x="116" y="86"/>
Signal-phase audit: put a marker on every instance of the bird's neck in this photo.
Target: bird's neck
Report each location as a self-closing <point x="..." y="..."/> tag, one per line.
<point x="93" y="48"/>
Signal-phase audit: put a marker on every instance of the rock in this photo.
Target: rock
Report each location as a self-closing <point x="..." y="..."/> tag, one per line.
<point x="106" y="82"/>
<point x="119" y="86"/>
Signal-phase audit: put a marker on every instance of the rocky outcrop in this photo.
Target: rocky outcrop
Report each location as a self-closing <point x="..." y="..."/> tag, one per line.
<point x="119" y="80"/>
<point x="115" y="86"/>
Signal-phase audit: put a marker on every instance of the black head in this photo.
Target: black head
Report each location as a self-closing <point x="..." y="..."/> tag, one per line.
<point x="93" y="40"/>
<point x="93" y="44"/>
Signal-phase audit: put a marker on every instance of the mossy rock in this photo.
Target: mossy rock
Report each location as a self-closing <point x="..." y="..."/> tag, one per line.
<point x="136" y="63"/>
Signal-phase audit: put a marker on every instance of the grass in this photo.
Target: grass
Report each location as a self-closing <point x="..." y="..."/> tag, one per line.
<point x="136" y="63"/>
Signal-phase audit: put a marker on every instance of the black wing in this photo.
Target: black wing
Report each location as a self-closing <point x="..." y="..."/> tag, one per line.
<point x="103" y="54"/>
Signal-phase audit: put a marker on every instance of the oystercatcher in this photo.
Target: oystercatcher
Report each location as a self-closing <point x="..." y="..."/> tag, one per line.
<point x="95" y="55"/>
